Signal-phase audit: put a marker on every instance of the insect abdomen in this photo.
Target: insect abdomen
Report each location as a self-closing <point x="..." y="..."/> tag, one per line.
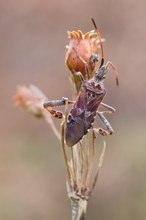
<point x="75" y="129"/>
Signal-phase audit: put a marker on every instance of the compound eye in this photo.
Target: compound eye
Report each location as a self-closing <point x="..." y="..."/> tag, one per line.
<point x="93" y="58"/>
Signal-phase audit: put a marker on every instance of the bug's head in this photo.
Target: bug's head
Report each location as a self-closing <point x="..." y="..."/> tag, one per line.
<point x="101" y="73"/>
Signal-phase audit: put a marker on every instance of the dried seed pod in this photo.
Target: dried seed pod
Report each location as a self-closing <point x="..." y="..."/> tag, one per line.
<point x="82" y="48"/>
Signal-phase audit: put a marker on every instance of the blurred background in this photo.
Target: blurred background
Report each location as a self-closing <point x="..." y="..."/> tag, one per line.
<point x="33" y="36"/>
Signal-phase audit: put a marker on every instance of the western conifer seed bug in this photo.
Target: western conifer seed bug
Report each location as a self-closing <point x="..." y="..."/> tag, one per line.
<point x="85" y="108"/>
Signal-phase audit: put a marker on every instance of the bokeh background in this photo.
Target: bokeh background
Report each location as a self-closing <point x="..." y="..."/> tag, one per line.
<point x="32" y="49"/>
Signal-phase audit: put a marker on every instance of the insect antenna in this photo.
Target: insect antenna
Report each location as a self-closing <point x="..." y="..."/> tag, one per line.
<point x="115" y="71"/>
<point x="101" y="46"/>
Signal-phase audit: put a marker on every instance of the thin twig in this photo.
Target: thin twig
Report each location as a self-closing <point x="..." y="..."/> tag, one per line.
<point x="93" y="144"/>
<point x="50" y="121"/>
<point x="87" y="150"/>
<point x="91" y="162"/>
<point x="98" y="168"/>
<point x="82" y="159"/>
<point x="73" y="162"/>
<point x="64" y="151"/>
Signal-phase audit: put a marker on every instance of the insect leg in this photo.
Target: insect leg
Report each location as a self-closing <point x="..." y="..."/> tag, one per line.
<point x="49" y="104"/>
<point x="108" y="130"/>
<point x="86" y="67"/>
<point x="110" y="108"/>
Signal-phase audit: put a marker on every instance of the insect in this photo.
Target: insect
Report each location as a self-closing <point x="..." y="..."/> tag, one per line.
<point x="83" y="113"/>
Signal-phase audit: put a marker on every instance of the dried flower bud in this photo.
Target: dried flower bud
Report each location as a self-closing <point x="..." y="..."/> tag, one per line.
<point x="82" y="48"/>
<point x="30" y="98"/>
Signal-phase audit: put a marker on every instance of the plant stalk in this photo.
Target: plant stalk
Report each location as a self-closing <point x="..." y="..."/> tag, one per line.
<point x="79" y="207"/>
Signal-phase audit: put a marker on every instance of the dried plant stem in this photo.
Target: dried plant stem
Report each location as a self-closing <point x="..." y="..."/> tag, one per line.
<point x="82" y="162"/>
<point x="73" y="162"/>
<point x="77" y="163"/>
<point x="90" y="168"/>
<point x="79" y="207"/>
<point x="98" y="169"/>
<point x="93" y="144"/>
<point x="64" y="152"/>
<point x="50" y="121"/>
<point x="87" y="150"/>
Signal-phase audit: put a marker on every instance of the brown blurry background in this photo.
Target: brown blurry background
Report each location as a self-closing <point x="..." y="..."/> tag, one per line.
<point x="32" y="49"/>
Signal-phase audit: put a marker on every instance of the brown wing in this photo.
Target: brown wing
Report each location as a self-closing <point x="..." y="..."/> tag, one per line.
<point x="83" y="113"/>
<point x="95" y="95"/>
